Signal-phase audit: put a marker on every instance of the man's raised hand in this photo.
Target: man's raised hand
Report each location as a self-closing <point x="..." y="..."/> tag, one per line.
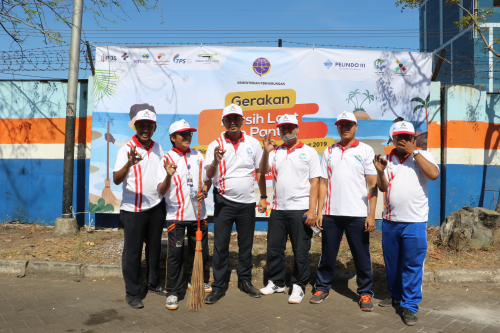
<point x="380" y="163"/>
<point x="133" y="156"/>
<point x="170" y="168"/>
<point x="218" y="154"/>
<point x="268" y="143"/>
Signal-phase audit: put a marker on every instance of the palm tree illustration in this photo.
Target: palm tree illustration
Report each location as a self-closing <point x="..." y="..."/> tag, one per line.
<point x="352" y="97"/>
<point x="423" y="105"/>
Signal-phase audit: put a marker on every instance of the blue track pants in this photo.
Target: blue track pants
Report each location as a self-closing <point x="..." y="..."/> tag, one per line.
<point x="405" y="247"/>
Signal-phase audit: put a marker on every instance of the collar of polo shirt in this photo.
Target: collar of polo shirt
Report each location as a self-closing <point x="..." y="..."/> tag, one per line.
<point x="140" y="145"/>
<point x="288" y="151"/>
<point x="234" y="142"/>
<point x="354" y="144"/>
<point x="180" y="152"/>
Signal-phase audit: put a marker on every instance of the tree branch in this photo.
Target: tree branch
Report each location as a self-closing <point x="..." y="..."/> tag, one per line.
<point x="486" y="44"/>
<point x="34" y="27"/>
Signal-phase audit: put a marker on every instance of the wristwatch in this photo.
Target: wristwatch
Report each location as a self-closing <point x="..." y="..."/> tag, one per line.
<point x="205" y="193"/>
<point x="415" y="152"/>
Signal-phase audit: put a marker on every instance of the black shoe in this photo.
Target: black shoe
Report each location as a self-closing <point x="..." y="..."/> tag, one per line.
<point x="391" y="301"/>
<point x="409" y="317"/>
<point x="159" y="290"/>
<point x="213" y="297"/>
<point x="134" y="301"/>
<point x="247" y="287"/>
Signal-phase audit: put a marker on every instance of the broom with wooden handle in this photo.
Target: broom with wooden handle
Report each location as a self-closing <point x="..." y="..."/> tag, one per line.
<point x="197" y="295"/>
<point x="107" y="194"/>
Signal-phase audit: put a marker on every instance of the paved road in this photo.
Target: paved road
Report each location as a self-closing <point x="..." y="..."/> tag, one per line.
<point x="60" y="304"/>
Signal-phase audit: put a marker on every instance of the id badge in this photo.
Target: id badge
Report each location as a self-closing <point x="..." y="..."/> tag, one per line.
<point x="189" y="179"/>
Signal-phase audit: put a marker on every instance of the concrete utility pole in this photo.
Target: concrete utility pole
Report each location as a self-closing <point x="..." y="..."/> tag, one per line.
<point x="67" y="224"/>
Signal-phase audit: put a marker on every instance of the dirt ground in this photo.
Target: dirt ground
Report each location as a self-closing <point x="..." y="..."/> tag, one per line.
<point x="31" y="241"/>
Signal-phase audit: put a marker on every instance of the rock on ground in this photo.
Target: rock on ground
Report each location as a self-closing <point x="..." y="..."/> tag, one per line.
<point x="470" y="228"/>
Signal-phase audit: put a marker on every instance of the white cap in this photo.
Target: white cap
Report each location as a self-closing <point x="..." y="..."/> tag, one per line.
<point x="232" y="109"/>
<point x="349" y="116"/>
<point x="180" y="126"/>
<point x="287" y="119"/>
<point x="146" y="115"/>
<point x="402" y="127"/>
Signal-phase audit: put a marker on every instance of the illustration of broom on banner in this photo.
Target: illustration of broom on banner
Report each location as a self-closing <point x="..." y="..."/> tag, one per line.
<point x="197" y="295"/>
<point x="107" y="194"/>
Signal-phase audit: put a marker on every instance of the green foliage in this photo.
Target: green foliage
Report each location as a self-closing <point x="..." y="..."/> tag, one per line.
<point x="105" y="83"/>
<point x="357" y="106"/>
<point x="100" y="207"/>
<point x="472" y="20"/>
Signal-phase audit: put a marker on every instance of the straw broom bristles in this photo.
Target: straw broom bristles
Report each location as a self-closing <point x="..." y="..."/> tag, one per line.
<point x="197" y="295"/>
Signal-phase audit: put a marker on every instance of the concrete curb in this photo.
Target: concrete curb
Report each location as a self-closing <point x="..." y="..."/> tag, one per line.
<point x="22" y="267"/>
<point x="53" y="268"/>
<point x="13" y="266"/>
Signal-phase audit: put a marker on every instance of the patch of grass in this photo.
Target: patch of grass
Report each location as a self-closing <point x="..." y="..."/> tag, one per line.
<point x="80" y="246"/>
<point x="8" y="254"/>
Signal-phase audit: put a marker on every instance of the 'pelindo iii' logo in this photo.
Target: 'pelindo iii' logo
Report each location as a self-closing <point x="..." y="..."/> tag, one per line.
<point x="328" y="64"/>
<point x="350" y="65"/>
<point x="261" y="66"/>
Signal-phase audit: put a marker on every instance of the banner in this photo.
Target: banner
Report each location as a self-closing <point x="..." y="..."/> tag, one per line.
<point x="195" y="83"/>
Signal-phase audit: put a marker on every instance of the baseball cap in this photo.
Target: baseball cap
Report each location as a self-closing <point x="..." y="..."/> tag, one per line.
<point x="180" y="126"/>
<point x="232" y="109"/>
<point x="146" y="115"/>
<point x="402" y="127"/>
<point x="349" y="116"/>
<point x="287" y="119"/>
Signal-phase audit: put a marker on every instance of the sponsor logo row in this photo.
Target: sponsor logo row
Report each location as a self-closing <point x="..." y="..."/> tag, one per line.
<point x="262" y="66"/>
<point x="399" y="66"/>
<point x="161" y="59"/>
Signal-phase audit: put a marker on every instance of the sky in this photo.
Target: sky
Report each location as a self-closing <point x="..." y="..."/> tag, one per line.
<point x="327" y="24"/>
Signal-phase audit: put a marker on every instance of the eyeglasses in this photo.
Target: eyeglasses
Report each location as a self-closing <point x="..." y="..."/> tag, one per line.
<point x="185" y="134"/>
<point x="404" y="137"/>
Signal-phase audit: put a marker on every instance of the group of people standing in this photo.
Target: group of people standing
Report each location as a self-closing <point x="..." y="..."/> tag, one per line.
<point x="337" y="195"/>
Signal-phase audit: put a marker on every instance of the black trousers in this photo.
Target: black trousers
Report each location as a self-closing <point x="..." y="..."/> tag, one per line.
<point x="175" y="260"/>
<point x="283" y="223"/>
<point x="225" y="214"/>
<point x="359" y="244"/>
<point x="140" y="227"/>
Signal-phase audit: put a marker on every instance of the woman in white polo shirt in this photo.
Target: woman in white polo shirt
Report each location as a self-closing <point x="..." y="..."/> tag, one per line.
<point x="347" y="200"/>
<point x="142" y="211"/>
<point x="403" y="176"/>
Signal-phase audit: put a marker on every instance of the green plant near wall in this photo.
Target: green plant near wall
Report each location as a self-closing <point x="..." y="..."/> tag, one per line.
<point x="354" y="99"/>
<point x="105" y="83"/>
<point x="100" y="207"/>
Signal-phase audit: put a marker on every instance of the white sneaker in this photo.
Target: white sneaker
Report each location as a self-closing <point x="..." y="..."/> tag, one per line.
<point x="297" y="295"/>
<point x="271" y="288"/>
<point x="172" y="302"/>
<point x="207" y="287"/>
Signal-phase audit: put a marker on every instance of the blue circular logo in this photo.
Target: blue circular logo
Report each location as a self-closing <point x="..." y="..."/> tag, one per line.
<point x="249" y="151"/>
<point x="261" y="66"/>
<point x="379" y="65"/>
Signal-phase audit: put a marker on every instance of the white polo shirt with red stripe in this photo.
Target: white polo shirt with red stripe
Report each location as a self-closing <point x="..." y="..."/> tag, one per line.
<point x="292" y="169"/>
<point x="345" y="169"/>
<point x="235" y="178"/>
<point x="407" y="196"/>
<point x="180" y="206"/>
<point x="140" y="190"/>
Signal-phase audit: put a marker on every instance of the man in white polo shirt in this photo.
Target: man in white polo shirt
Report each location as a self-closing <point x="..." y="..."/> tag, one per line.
<point x="296" y="171"/>
<point x="403" y="176"/>
<point x="142" y="212"/>
<point x="231" y="162"/>
<point x="347" y="200"/>
<point x="178" y="176"/>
